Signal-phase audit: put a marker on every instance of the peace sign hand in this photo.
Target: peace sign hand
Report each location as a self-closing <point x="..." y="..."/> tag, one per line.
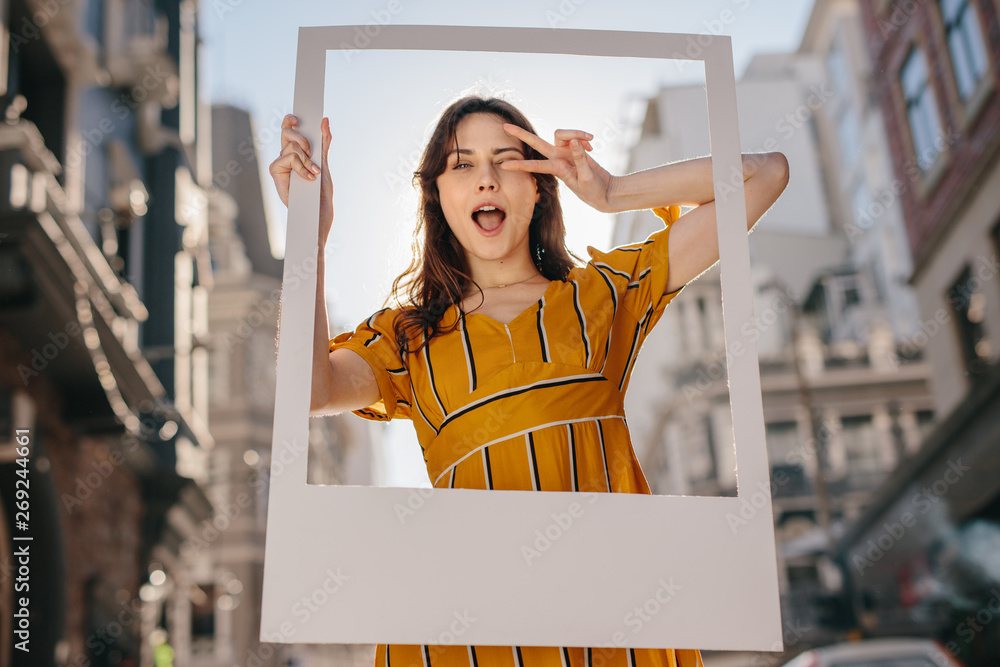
<point x="568" y="161"/>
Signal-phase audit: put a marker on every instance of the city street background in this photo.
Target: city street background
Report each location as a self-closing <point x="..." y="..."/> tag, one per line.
<point x="141" y="274"/>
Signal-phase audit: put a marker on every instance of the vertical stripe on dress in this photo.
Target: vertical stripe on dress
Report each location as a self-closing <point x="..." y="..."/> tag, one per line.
<point x="430" y="373"/>
<point x="572" y="457"/>
<point x="451" y="482"/>
<point x="421" y="411"/>
<point x="635" y="343"/>
<point x="470" y="361"/>
<point x="566" y="662"/>
<point x="614" y="313"/>
<point x="583" y="322"/>
<point x="487" y="469"/>
<point x="604" y="454"/>
<point x="427" y="656"/>
<point x="631" y="355"/>
<point x="387" y="655"/>
<point x="631" y="657"/>
<point x="529" y="441"/>
<point x="518" y="660"/>
<point x="543" y="340"/>
<point x="473" y="661"/>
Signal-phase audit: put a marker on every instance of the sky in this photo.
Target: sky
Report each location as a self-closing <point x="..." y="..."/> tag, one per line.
<point x="382" y="105"/>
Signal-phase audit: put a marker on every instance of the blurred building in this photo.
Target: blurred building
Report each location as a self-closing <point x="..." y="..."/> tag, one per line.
<point x="243" y="321"/>
<point x="845" y="400"/>
<point x="925" y="556"/>
<point x="103" y="295"/>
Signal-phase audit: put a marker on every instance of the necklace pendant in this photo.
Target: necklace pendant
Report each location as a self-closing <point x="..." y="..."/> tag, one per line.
<point x="501" y="285"/>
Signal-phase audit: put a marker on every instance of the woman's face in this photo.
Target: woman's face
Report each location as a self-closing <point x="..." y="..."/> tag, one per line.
<point x="472" y="180"/>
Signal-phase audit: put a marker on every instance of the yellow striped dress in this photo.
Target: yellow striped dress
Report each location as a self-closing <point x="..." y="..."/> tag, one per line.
<point x="535" y="404"/>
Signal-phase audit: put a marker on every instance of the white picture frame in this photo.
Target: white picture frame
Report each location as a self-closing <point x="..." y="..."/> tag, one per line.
<point x="352" y="564"/>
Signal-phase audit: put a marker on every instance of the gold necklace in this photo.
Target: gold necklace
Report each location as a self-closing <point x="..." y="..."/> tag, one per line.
<point x="517" y="283"/>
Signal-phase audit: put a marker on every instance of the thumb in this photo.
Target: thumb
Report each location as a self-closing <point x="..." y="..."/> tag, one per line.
<point x="327" y="137"/>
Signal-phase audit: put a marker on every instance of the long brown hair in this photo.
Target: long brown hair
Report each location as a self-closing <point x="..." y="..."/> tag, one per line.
<point x="438" y="276"/>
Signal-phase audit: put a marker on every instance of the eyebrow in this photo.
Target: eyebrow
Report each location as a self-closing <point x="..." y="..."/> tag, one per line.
<point x="496" y="151"/>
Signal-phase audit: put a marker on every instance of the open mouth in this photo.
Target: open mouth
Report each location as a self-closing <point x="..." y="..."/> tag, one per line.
<point x="489" y="218"/>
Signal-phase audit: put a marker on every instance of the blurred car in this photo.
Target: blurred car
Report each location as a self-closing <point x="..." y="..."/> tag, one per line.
<point x="902" y="652"/>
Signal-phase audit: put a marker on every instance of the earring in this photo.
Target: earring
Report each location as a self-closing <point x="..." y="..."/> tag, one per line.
<point x="539" y="251"/>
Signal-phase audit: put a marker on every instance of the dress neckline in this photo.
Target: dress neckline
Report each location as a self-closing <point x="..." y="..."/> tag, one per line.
<point x="529" y="309"/>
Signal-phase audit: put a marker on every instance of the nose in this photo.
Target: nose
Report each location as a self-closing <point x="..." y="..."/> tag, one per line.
<point x="488" y="178"/>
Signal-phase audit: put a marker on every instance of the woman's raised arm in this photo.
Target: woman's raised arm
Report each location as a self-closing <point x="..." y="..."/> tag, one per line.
<point x="694" y="239"/>
<point x="341" y="380"/>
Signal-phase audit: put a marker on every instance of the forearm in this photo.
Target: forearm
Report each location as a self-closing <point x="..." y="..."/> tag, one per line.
<point x="684" y="183"/>
<point x="322" y="373"/>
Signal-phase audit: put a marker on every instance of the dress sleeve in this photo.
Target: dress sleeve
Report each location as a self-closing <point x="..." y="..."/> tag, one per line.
<point x="639" y="271"/>
<point x="375" y="342"/>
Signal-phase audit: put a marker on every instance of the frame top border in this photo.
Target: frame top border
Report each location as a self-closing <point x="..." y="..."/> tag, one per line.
<point x="556" y="41"/>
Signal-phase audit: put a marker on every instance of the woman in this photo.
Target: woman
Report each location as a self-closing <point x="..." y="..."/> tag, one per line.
<point x="511" y="360"/>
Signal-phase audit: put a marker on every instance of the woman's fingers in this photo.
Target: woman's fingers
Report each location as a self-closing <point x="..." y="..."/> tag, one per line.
<point x="563" y="137"/>
<point x="303" y="165"/>
<point x="292" y="138"/>
<point x="327" y="138"/>
<point x="534" y="166"/>
<point x="567" y="135"/>
<point x="583" y="172"/>
<point x="294" y="148"/>
<point x="532" y="140"/>
<point x="289" y="134"/>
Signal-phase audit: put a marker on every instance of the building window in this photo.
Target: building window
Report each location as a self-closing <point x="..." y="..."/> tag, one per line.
<point x="925" y="423"/>
<point x="783" y="443"/>
<point x="965" y="42"/>
<point x="203" y="601"/>
<point x="842" y="107"/>
<point x="969" y="303"/>
<point x="861" y="200"/>
<point x="861" y="444"/>
<point x="921" y="108"/>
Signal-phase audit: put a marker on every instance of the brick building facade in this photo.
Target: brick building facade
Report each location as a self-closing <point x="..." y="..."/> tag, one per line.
<point x="919" y="560"/>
